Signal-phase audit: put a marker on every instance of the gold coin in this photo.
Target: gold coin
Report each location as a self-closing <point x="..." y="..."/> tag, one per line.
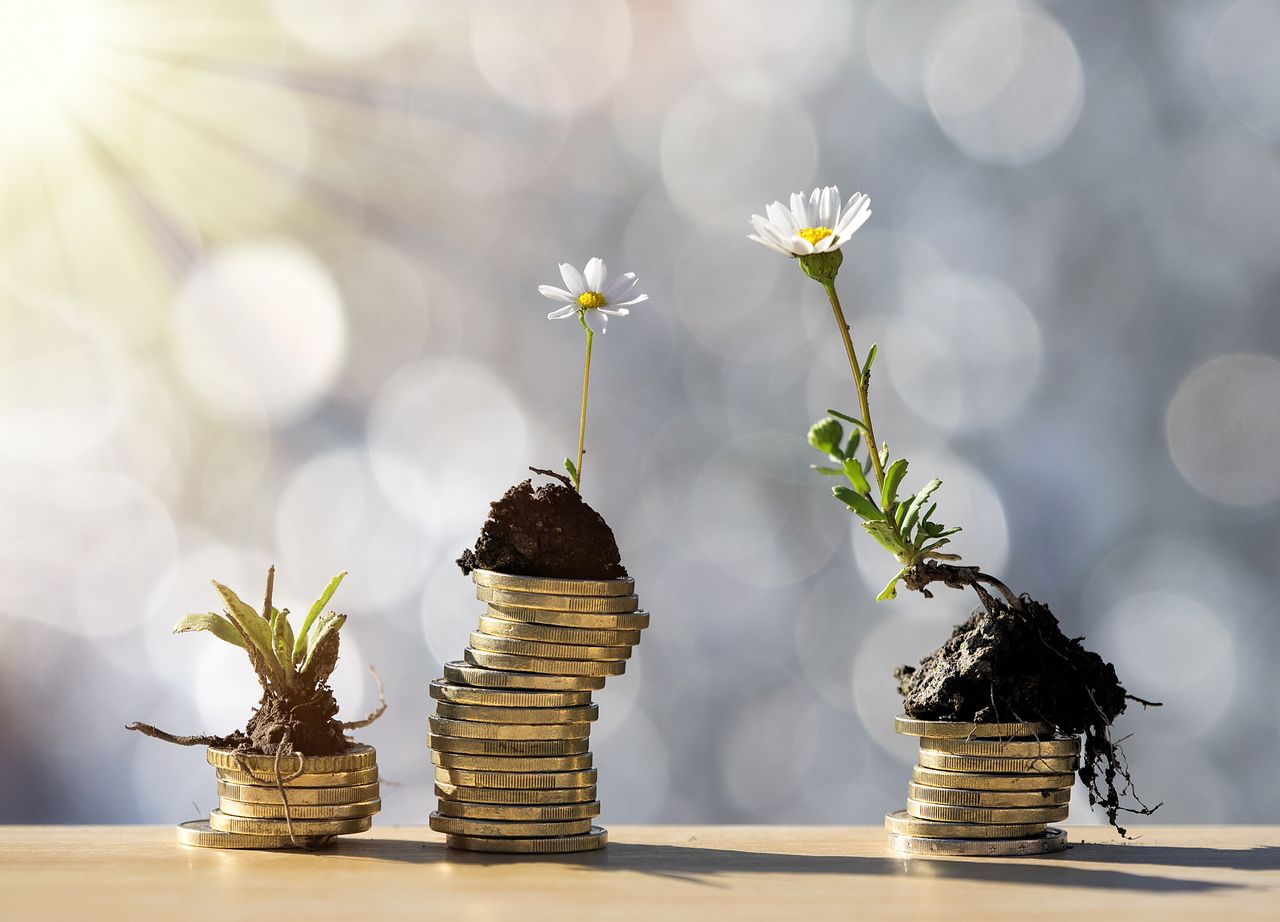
<point x="442" y="690"/>
<point x="471" y="794"/>
<point x="258" y="827"/>
<point x="547" y="585"/>
<point x="474" y="729"/>
<point x="578" y="715"/>
<point x="557" y="667"/>
<point x="902" y="824"/>
<point x="480" y="676"/>
<point x="463" y="827"/>
<point x="299" y="811"/>
<point x="357" y="756"/>
<point x="995" y="816"/>
<point x="596" y="605"/>
<point x="481" y="763"/>
<point x="947" y="762"/>
<point x="561" y="845"/>
<point x="537" y="781"/>
<point x="201" y="835"/>
<point x="951" y="729"/>
<point x="311" y="797"/>
<point x="565" y="651"/>
<point x="305" y="780"/>
<point x="482" y="747"/>
<point x="616" y="621"/>
<point x="514" y="813"/>
<point x="1051" y="840"/>
<point x="958" y="797"/>
<point x="1006" y="749"/>
<point x="550" y="633"/>
<point x="970" y="781"/>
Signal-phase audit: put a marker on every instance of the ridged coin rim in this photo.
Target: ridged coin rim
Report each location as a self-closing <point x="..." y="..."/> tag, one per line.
<point x="1047" y="842"/>
<point x="492" y="643"/>
<point x="903" y="824"/>
<point x="596" y="838"/>
<point x="513" y="662"/>
<point x="535" y="781"/>
<point x="636" y="620"/>
<point x="586" y="713"/>
<point x="444" y="690"/>
<point x="947" y="762"/>
<point x="472" y="729"/>
<point x="594" y="605"/>
<point x="960" y="797"/>
<point x="489" y="747"/>
<point x="199" y="834"/>
<point x="257" y="827"/>
<point x="249" y="810"/>
<point x="506" y="679"/>
<point x="513" y="796"/>
<point x="553" y="585"/>
<point x="302" y="797"/>
<point x="995" y="816"/>
<point x="518" y="813"/>
<point x="554" y="633"/>
<point x="357" y="756"/>
<point x="508" y="763"/>
<point x="974" y="781"/>
<point x="305" y="780"/>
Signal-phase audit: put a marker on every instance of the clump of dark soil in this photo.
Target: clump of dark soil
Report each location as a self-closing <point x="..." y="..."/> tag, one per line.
<point x="546" y="530"/>
<point x="1011" y="662"/>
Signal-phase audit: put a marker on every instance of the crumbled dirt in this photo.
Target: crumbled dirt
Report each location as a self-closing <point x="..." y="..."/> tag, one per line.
<point x="1011" y="663"/>
<point x="545" y="531"/>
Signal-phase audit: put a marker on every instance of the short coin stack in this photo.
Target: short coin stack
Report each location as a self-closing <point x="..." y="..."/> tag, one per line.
<point x="510" y="736"/>
<point x="324" y="796"/>
<point x="985" y="789"/>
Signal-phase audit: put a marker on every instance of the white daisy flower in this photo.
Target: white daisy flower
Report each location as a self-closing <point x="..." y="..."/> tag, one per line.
<point x="592" y="294"/>
<point x="819" y="225"/>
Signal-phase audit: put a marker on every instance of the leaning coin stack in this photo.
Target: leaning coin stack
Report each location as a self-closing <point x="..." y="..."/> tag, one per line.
<point x="510" y="736"/>
<point x="985" y="789"/>
<point x="324" y="796"/>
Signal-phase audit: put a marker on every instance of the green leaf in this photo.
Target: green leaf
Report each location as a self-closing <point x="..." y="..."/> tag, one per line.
<point x="899" y="514"/>
<point x="327" y="624"/>
<point x="914" y="509"/>
<point x="892" y="477"/>
<point x="248" y="620"/>
<point x="866" y="368"/>
<point x="884" y="454"/>
<point x="862" y="506"/>
<point x="853" y="470"/>
<point x="282" y="639"/>
<point x="884" y="536"/>
<point x="300" y="643"/>
<point x="571" y="468"/>
<point x="891" y="591"/>
<point x="214" y="623"/>
<point x="848" y="419"/>
<point x="827" y="471"/>
<point x="855" y="437"/>
<point x="826" y="435"/>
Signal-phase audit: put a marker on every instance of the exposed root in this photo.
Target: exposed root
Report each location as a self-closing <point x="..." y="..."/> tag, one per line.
<point x="157" y="733"/>
<point x="922" y="574"/>
<point x="376" y="712"/>
<point x="553" y="474"/>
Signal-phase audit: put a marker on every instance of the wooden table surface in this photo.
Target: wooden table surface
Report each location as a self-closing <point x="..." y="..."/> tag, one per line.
<point x="647" y="873"/>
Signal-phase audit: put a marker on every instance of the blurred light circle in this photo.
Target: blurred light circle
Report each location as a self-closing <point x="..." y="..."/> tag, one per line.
<point x="226" y="689"/>
<point x="759" y="46"/>
<point x="966" y="498"/>
<point x="259" y="328"/>
<point x="1243" y="60"/>
<point x="1154" y="636"/>
<point x="720" y="153"/>
<point x="449" y="611"/>
<point x="446" y="438"/>
<point x="1005" y="84"/>
<point x="344" y="29"/>
<point x="1224" y="431"/>
<point x="897" y="35"/>
<point x="768" y="751"/>
<point x="332" y="517"/>
<point x="635" y="766"/>
<point x="963" y="352"/>
<point x="758" y="513"/>
<point x="558" y="57"/>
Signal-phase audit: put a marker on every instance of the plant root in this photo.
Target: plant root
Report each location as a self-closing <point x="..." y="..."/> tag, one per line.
<point x="376" y="712"/>
<point x="157" y="733"/>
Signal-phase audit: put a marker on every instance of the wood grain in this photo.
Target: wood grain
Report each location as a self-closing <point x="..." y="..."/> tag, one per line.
<point x="647" y="873"/>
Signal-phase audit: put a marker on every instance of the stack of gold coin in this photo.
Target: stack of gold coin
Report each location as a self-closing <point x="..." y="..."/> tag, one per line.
<point x="510" y="736"/>
<point x="985" y="789"/>
<point x="312" y="799"/>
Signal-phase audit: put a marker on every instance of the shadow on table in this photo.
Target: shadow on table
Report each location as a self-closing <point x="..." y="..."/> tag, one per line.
<point x="1257" y="858"/>
<point x="702" y="866"/>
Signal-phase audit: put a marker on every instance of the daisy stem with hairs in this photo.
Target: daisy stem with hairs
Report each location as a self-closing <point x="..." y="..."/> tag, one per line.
<point x="861" y="382"/>
<point x="582" y="417"/>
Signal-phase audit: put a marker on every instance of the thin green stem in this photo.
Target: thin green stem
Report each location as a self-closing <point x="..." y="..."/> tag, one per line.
<point x="873" y="447"/>
<point x="582" y="417"/>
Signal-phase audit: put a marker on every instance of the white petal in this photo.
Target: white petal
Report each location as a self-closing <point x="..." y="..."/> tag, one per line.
<point x="618" y="287"/>
<point x="854" y="220"/>
<point x="560" y="313"/>
<point x="828" y="206"/>
<point x="635" y="300"/>
<point x="573" y="279"/>
<point x="799" y="211"/>
<point x="781" y="218"/>
<point x="594" y="274"/>
<point x="554" y="293"/>
<point x="857" y="204"/>
<point x="620" y="312"/>
<point x="778" y="248"/>
<point x="597" y="321"/>
<point x="800" y="246"/>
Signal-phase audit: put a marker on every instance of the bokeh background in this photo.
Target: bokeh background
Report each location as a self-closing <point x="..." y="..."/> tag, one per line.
<point x="268" y="288"/>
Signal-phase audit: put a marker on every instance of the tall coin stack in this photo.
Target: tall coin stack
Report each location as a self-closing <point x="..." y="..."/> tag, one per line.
<point x="985" y="789"/>
<point x="324" y="796"/>
<point x="510" y="736"/>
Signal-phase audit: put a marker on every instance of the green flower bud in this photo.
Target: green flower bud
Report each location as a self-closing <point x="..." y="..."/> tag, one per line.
<point x="827" y="435"/>
<point x="822" y="267"/>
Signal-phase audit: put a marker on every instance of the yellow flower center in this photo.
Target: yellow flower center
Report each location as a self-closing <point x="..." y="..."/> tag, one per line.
<point x="814" y="234"/>
<point x="590" y="299"/>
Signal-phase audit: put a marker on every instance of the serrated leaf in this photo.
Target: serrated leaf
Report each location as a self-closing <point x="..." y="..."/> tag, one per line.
<point x="861" y="506"/>
<point x="282" y="639"/>
<point x="212" y="622"/>
<point x="326" y="625"/>
<point x="853" y="470"/>
<point x="300" y="642"/>
<point x="884" y="536"/>
<point x="891" y="591"/>
<point x="914" y="509"/>
<point x="248" y="620"/>
<point x="892" y="477"/>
